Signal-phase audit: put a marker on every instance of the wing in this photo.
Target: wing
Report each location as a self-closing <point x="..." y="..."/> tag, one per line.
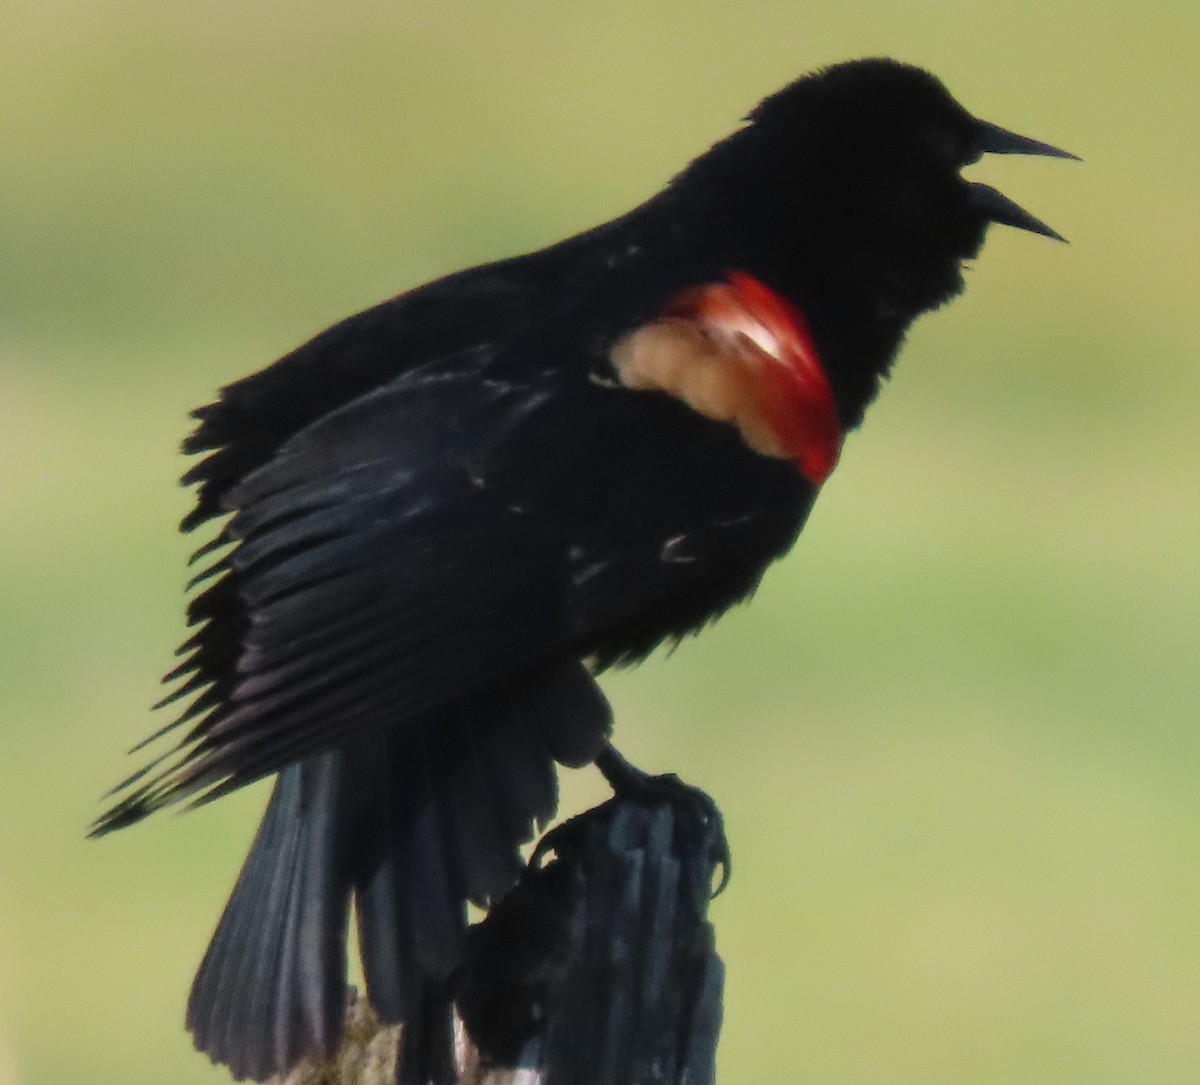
<point x="253" y="417"/>
<point x="373" y="574"/>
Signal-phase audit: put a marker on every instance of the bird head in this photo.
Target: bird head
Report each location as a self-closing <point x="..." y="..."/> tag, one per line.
<point x="854" y="175"/>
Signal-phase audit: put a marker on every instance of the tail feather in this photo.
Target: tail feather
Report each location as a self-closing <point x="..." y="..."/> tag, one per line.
<point x="228" y="993"/>
<point x="488" y="863"/>
<point x="412" y="823"/>
<point x="271" y="987"/>
<point x="524" y="777"/>
<point x="434" y="897"/>
<point x="401" y="944"/>
<point x="427" y="1042"/>
<point x="311" y="997"/>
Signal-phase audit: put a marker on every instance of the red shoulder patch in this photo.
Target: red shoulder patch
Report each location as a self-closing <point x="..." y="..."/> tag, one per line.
<point x="737" y="352"/>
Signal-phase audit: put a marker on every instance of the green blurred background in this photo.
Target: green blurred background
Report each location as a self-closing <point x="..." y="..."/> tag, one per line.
<point x="955" y="736"/>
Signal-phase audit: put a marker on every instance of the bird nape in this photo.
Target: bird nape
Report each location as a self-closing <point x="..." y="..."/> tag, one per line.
<point x="446" y="514"/>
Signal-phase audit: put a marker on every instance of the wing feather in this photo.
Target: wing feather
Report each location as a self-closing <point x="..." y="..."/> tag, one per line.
<point x="359" y="593"/>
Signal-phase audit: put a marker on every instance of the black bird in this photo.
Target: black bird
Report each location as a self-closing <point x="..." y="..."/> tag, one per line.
<point x="447" y="513"/>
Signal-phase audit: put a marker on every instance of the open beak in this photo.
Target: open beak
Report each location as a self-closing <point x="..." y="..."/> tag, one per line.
<point x="992" y="139"/>
<point x="995" y="206"/>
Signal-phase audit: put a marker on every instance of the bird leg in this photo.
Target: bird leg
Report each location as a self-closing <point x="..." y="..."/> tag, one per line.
<point x="693" y="806"/>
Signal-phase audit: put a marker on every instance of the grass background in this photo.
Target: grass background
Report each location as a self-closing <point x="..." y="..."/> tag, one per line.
<point x="955" y="736"/>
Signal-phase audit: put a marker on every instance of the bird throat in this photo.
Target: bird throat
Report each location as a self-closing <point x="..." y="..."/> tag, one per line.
<point x="738" y="353"/>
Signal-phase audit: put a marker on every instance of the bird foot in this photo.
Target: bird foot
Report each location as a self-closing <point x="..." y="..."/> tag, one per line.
<point x="692" y="806"/>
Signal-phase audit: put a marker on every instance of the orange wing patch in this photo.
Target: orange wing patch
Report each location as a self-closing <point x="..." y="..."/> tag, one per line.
<point x="737" y="353"/>
<point x="716" y="379"/>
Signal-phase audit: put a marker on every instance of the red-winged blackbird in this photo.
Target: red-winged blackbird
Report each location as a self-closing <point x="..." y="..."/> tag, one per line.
<point x="449" y="511"/>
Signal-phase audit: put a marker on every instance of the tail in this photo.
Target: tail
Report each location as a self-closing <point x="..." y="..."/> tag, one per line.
<point x="411" y="824"/>
<point x="271" y="987"/>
